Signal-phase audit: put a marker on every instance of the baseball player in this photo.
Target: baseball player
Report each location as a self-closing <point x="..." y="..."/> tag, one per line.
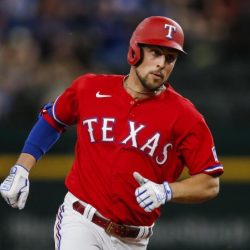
<point x="135" y="134"/>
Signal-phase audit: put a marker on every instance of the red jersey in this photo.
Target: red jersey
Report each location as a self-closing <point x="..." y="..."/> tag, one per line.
<point x="117" y="135"/>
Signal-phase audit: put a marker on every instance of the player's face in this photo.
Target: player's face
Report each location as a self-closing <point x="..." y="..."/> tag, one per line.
<point x="156" y="67"/>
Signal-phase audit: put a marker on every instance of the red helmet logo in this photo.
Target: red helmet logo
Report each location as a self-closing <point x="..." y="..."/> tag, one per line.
<point x="155" y="30"/>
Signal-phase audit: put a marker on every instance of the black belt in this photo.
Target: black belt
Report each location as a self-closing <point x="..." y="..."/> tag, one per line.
<point x="110" y="227"/>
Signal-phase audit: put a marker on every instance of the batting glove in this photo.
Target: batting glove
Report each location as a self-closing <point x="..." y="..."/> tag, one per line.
<point x="151" y="195"/>
<point x="15" y="188"/>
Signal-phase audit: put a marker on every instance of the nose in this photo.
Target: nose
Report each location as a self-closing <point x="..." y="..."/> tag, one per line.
<point x="161" y="61"/>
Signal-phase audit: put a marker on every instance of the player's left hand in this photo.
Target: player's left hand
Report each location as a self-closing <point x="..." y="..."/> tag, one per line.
<point x="15" y="188"/>
<point x="151" y="195"/>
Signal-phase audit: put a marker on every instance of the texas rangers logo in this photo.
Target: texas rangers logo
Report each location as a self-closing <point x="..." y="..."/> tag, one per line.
<point x="171" y="30"/>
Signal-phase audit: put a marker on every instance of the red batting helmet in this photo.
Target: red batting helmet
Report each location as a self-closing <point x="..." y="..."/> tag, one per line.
<point x="155" y="30"/>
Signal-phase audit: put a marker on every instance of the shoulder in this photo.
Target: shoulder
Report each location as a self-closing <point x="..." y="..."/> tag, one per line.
<point x="187" y="115"/>
<point x="96" y="78"/>
<point x="181" y="103"/>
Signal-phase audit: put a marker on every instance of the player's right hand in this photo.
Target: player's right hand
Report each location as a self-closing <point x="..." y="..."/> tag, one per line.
<point x="15" y="188"/>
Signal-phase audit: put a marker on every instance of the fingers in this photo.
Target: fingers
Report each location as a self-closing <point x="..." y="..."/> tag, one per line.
<point x="18" y="200"/>
<point x="22" y="200"/>
<point x="140" y="179"/>
<point x="12" y="201"/>
<point x="144" y="199"/>
<point x="143" y="196"/>
<point x="23" y="195"/>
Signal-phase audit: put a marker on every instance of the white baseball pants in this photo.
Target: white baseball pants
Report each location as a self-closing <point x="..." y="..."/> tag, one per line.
<point x="73" y="231"/>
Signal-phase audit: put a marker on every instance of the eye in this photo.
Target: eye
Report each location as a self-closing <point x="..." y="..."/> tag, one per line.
<point x="170" y="58"/>
<point x="156" y="52"/>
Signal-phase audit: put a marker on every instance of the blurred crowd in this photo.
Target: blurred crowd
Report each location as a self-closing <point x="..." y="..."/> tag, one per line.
<point x="45" y="44"/>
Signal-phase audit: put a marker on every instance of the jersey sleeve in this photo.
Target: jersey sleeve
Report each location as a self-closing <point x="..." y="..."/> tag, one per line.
<point x="198" y="151"/>
<point x="65" y="107"/>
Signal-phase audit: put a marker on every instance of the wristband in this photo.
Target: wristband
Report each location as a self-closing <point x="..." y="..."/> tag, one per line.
<point x="168" y="190"/>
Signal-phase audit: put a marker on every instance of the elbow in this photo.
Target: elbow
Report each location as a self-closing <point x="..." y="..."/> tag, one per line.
<point x="214" y="192"/>
<point x="213" y="189"/>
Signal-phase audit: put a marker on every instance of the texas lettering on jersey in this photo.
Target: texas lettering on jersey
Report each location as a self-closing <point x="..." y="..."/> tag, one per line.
<point x="149" y="146"/>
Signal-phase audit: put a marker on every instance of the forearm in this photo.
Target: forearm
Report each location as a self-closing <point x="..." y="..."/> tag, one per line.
<point x="195" y="189"/>
<point x="26" y="160"/>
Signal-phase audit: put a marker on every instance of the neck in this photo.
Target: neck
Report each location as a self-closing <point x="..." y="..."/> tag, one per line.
<point x="139" y="94"/>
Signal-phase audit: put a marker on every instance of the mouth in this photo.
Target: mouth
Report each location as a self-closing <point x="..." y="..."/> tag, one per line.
<point x="157" y="75"/>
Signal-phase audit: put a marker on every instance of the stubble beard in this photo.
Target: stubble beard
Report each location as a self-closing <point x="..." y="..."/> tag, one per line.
<point x="147" y="84"/>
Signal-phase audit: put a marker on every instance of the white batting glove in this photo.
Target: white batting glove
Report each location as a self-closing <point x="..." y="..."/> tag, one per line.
<point x="15" y="188"/>
<point x="151" y="195"/>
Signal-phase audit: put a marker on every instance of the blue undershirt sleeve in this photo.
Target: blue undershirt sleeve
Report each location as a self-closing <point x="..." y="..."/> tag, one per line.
<point x="41" y="138"/>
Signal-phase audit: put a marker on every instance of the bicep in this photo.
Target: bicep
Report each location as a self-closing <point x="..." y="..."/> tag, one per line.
<point x="198" y="151"/>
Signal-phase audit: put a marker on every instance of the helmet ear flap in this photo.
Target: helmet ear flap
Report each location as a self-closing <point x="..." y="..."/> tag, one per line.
<point x="135" y="55"/>
<point x="141" y="57"/>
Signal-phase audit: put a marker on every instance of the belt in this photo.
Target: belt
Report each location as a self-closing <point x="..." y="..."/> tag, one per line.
<point x="110" y="227"/>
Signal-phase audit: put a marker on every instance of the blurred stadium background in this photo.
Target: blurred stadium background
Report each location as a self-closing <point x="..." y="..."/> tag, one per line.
<point x="45" y="44"/>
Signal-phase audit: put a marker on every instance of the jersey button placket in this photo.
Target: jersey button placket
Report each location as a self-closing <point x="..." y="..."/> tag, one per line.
<point x="134" y="104"/>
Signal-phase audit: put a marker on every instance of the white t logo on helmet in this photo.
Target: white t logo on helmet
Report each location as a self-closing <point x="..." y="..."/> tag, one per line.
<point x="171" y="30"/>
